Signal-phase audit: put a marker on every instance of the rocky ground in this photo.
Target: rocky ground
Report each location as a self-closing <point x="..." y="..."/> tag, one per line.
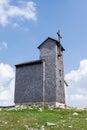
<point x="43" y="118"/>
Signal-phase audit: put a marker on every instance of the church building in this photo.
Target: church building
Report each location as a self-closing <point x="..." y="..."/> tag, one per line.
<point x="42" y="81"/>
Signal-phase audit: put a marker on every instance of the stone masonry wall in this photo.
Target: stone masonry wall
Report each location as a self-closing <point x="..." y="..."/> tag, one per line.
<point x="48" y="53"/>
<point x="60" y="90"/>
<point x="29" y="83"/>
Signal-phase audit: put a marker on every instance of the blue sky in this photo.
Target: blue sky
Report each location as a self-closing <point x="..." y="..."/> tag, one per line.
<point x="25" y="24"/>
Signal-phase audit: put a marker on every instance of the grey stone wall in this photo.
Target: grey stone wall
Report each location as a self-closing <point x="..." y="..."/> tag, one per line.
<point x="48" y="52"/>
<point x="60" y="90"/>
<point x="29" y="83"/>
<point x="54" y="72"/>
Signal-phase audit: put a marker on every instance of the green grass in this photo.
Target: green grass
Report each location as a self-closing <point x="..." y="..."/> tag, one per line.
<point x="22" y="119"/>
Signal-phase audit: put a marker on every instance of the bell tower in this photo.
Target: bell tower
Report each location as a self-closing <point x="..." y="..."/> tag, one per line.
<point x="51" y="51"/>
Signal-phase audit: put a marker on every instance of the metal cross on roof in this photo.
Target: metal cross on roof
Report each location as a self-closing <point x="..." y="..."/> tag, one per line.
<point x="59" y="36"/>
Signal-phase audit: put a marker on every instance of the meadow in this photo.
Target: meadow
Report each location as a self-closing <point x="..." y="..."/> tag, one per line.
<point x="42" y="118"/>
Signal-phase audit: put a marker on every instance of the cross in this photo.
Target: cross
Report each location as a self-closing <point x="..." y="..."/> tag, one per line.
<point x="59" y="36"/>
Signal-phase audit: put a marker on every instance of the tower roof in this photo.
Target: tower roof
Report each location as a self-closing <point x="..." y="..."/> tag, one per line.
<point x="57" y="43"/>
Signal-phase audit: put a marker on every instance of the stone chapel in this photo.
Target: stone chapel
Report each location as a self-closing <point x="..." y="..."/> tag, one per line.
<point x="42" y="81"/>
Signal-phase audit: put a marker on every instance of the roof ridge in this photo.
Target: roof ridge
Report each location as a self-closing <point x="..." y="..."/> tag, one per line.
<point x="53" y="40"/>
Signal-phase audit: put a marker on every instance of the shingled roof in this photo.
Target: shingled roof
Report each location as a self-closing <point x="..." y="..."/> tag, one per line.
<point x="49" y="38"/>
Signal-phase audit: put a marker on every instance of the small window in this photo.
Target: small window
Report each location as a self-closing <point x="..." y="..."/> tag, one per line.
<point x="60" y="72"/>
<point x="60" y="83"/>
<point x="59" y="51"/>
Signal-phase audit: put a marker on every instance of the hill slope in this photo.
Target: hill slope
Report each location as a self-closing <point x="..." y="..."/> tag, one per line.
<point x="39" y="118"/>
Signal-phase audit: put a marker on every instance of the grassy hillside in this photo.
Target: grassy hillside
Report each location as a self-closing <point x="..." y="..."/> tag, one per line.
<point x="39" y="118"/>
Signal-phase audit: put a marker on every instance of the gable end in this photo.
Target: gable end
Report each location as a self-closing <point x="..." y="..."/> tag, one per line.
<point x="49" y="38"/>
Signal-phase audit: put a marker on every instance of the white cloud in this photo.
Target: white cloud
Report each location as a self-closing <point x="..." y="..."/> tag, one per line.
<point x="79" y="98"/>
<point x="23" y="28"/>
<point x="26" y="10"/>
<point x="77" y="75"/>
<point x="3" y="45"/>
<point x="16" y="25"/>
<point x="77" y="90"/>
<point x="7" y="77"/>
